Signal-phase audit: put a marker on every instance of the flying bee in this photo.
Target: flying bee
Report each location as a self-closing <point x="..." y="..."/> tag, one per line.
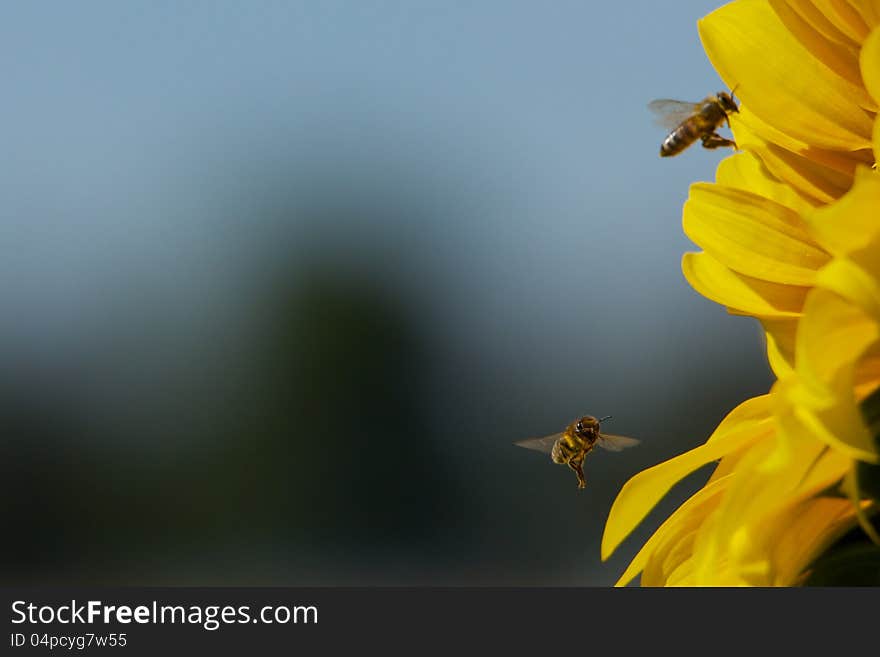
<point x="691" y="121"/>
<point x="570" y="447"/>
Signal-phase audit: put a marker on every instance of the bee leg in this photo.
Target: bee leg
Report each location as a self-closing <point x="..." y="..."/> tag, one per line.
<point x="714" y="140"/>
<point x="578" y="468"/>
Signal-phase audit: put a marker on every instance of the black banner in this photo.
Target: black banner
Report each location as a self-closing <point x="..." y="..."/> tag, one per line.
<point x="538" y="621"/>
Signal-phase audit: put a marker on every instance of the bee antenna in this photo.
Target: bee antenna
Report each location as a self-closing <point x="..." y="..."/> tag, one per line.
<point x="607" y="417"/>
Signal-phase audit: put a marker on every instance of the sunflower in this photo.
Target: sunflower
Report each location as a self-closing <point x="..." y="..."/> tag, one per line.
<point x="802" y="72"/>
<point x="790" y="235"/>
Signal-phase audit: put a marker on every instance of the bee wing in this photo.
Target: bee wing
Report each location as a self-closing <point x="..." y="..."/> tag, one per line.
<point x="616" y="443"/>
<point x="544" y="444"/>
<point x="670" y="113"/>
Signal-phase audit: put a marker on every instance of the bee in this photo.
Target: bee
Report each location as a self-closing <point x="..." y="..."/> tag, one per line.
<point x="570" y="447"/>
<point x="691" y="121"/>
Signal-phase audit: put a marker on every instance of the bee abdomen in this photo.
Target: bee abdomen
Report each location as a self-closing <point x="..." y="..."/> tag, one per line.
<point x="677" y="140"/>
<point x="559" y="453"/>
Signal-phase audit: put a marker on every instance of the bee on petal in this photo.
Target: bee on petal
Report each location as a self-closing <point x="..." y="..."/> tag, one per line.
<point x="570" y="447"/>
<point x="691" y="121"/>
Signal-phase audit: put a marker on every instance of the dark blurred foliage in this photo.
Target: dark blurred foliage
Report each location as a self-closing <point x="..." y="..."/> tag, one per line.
<point x="853" y="560"/>
<point x="328" y="446"/>
<point x="338" y="446"/>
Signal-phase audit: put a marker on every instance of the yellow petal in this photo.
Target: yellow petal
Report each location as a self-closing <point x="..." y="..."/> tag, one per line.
<point x="869" y="11"/>
<point x="867" y="375"/>
<point x="851" y="231"/>
<point x="819" y="174"/>
<point x="716" y="537"/>
<point x="824" y="42"/>
<point x="683" y="521"/>
<point x="798" y="534"/>
<point x="823" y="21"/>
<point x="730" y="462"/>
<point x="876" y="150"/>
<point x="751" y="49"/>
<point x="752" y="235"/>
<point x="832" y="337"/>
<point x="844" y="17"/>
<point x="744" y="294"/>
<point x="852" y="282"/>
<point x="831" y="334"/>
<point x="748" y="128"/>
<point x="746" y="423"/>
<point x="780" y="345"/>
<point x="854" y="493"/>
<point x="870" y="64"/>
<point x="852" y="222"/>
<point x="745" y="171"/>
<point x="775" y="474"/>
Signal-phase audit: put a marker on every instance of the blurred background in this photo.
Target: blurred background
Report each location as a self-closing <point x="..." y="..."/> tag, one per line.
<point x="281" y="283"/>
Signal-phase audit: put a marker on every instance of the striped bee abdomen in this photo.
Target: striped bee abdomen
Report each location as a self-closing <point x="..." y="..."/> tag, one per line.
<point x="679" y="139"/>
<point x="560" y="452"/>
